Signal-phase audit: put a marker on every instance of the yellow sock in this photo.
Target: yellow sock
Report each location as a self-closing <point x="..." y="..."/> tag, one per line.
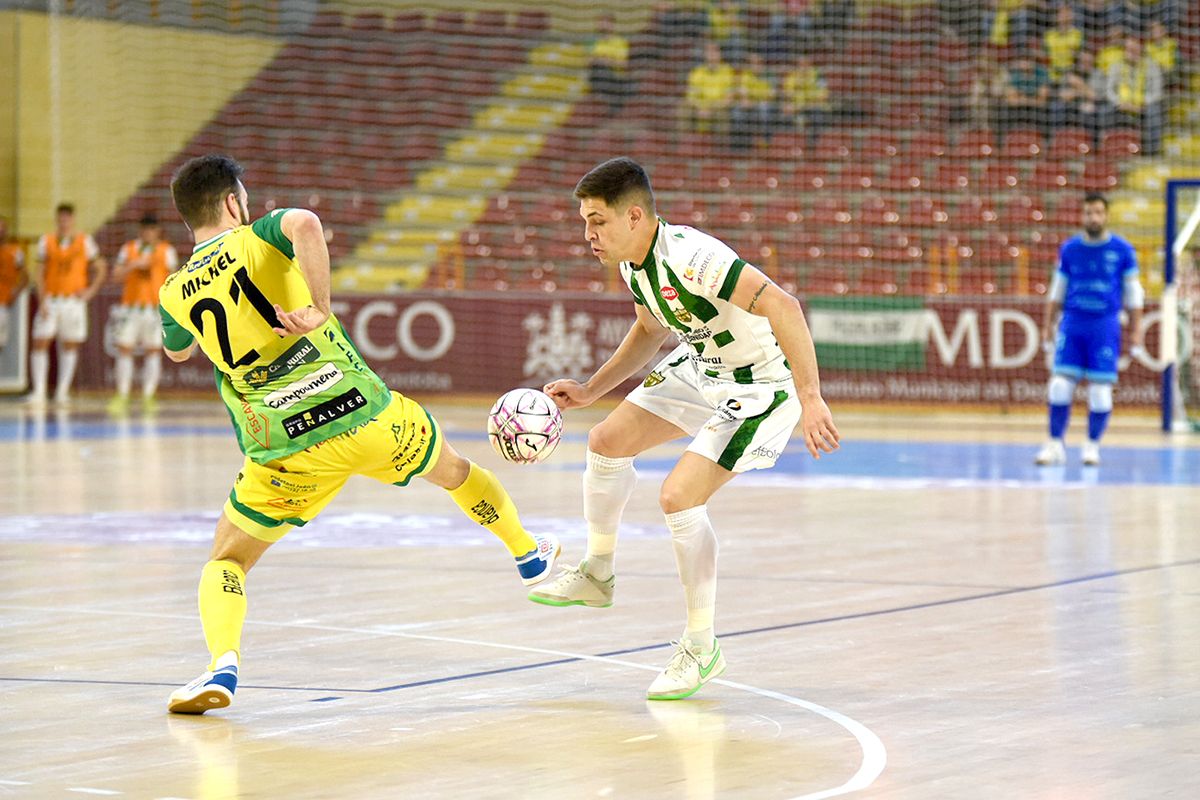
<point x="222" y="607"/>
<point x="483" y="499"/>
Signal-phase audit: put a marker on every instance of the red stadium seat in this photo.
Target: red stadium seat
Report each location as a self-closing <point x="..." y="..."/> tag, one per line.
<point x="952" y="176"/>
<point x="1020" y="144"/>
<point x="975" y="143"/>
<point x="1120" y="143"/>
<point x="832" y="146"/>
<point x="927" y="145"/>
<point x="1050" y="176"/>
<point x="1070" y="143"/>
<point x="904" y="175"/>
<point x="1000" y="175"/>
<point x="1099" y="176"/>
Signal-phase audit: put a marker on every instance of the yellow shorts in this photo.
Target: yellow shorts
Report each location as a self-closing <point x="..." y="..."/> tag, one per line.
<point x="268" y="500"/>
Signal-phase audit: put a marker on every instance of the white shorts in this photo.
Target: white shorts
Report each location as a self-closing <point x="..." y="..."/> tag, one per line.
<point x="64" y="318"/>
<point x="137" y="327"/>
<point x="740" y="426"/>
<point x="3" y="326"/>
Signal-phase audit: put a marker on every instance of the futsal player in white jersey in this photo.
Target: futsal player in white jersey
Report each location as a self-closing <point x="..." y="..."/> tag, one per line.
<point x="744" y="374"/>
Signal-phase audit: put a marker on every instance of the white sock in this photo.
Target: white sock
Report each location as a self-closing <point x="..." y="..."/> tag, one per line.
<point x="39" y="366"/>
<point x="151" y="372"/>
<point x="696" y="548"/>
<point x="67" y="359"/>
<point x="124" y="374"/>
<point x="607" y="485"/>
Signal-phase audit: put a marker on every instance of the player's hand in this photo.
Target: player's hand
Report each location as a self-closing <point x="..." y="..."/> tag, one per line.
<point x="567" y="393"/>
<point x="820" y="434"/>
<point x="301" y="321"/>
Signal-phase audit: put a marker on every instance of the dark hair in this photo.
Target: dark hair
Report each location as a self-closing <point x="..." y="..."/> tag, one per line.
<point x="64" y="208"/>
<point x="199" y="188"/>
<point x="1095" y="197"/>
<point x="616" y="181"/>
<point x="148" y="221"/>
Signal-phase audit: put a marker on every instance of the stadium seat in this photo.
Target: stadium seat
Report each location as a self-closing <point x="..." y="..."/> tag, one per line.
<point x="1070" y="143"/>
<point x="1120" y="143"/>
<point x="1021" y="144"/>
<point x="1099" y="176"/>
<point x="975" y="143"/>
<point x="927" y="145"/>
<point x="1000" y="175"/>
<point x="1050" y="176"/>
<point x="952" y="176"/>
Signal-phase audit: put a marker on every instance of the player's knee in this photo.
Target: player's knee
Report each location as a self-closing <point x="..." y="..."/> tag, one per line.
<point x="1060" y="390"/>
<point x="674" y="497"/>
<point x="1100" y="397"/>
<point x="604" y="440"/>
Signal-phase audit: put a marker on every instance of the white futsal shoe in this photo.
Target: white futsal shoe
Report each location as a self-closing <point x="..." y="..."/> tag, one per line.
<point x="536" y="565"/>
<point x="575" y="587"/>
<point x="686" y="672"/>
<point x="211" y="690"/>
<point x="1091" y="453"/>
<point x="1052" y="454"/>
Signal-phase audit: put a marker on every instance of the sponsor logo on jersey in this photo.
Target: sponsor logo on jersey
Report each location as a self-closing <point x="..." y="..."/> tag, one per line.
<point x="653" y="379"/>
<point x="668" y="292"/>
<point x="196" y="283"/>
<point x="324" y="413"/>
<point x="683" y="315"/>
<point x="765" y="452"/>
<point x="293" y="487"/>
<point x="302" y="352"/>
<point x="293" y="393"/>
<point x="734" y="404"/>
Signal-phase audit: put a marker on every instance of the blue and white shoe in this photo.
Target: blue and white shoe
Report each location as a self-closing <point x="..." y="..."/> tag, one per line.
<point x="211" y="690"/>
<point x="536" y="565"/>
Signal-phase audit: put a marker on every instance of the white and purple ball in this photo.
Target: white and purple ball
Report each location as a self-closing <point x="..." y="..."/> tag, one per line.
<point x="524" y="426"/>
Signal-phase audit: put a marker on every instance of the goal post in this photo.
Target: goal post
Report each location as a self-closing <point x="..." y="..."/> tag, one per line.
<point x="1182" y="220"/>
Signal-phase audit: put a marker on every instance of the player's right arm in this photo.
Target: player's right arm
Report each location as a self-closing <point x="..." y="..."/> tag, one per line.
<point x="178" y="344"/>
<point x="644" y="339"/>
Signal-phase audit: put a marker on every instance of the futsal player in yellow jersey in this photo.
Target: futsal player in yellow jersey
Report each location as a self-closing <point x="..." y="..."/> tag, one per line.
<point x="307" y="411"/>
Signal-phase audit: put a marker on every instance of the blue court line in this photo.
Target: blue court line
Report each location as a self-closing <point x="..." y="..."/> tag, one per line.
<point x="1099" y="576"/>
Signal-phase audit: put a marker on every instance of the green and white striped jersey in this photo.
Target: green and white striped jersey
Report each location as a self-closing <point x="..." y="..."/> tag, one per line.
<point x="686" y="281"/>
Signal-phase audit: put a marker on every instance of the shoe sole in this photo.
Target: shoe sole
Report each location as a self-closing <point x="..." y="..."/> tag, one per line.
<point x="689" y="692"/>
<point x="546" y="601"/>
<point x="206" y="700"/>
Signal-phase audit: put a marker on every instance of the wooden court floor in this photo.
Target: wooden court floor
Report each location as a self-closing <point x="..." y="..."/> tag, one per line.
<point x="921" y="615"/>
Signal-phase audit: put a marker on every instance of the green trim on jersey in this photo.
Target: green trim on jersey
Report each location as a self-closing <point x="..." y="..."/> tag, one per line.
<point x="648" y="261"/>
<point x="744" y="374"/>
<point x="668" y="314"/>
<point x="270" y="230"/>
<point x="637" y="292"/>
<point x="697" y="306"/>
<point x="723" y="338"/>
<point x="429" y="451"/>
<point x="745" y="433"/>
<point x="175" y="337"/>
<point x="731" y="279"/>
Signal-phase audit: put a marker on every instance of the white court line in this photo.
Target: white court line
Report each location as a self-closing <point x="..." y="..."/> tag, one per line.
<point x="15" y="783"/>
<point x="874" y="754"/>
<point x="86" y="790"/>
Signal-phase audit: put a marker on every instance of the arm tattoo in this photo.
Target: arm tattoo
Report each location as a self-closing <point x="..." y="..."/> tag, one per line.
<point x="761" y="289"/>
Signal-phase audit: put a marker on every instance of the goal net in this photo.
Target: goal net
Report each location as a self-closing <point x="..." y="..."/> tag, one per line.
<point x="907" y="168"/>
<point x="1179" y="354"/>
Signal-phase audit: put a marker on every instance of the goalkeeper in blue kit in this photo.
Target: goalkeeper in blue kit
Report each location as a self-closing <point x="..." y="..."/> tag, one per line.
<point x="1097" y="276"/>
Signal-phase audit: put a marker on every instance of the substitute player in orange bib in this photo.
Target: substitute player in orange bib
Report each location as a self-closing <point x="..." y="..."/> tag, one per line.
<point x="12" y="277"/>
<point x="143" y="263"/>
<point x="64" y="290"/>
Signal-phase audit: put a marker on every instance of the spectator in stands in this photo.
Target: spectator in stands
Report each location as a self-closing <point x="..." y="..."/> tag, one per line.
<point x="988" y="83"/>
<point x="1000" y="33"/>
<point x="804" y="98"/>
<point x="1026" y="101"/>
<point x="607" y="69"/>
<point x="709" y="93"/>
<point x="1080" y="97"/>
<point x="1163" y="50"/>
<point x="835" y="18"/>
<point x="1096" y="18"/>
<point x="1139" y="14"/>
<point x="1113" y="50"/>
<point x="1135" y="90"/>
<point x="727" y="28"/>
<point x="790" y="30"/>
<point x="1029" y="23"/>
<point x="753" y="105"/>
<point x="1062" y="44"/>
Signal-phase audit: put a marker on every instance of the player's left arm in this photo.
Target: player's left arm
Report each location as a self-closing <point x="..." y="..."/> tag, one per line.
<point x="756" y="293"/>
<point x="1133" y="297"/>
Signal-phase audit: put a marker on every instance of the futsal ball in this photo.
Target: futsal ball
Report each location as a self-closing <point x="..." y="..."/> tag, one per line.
<point x="524" y="426"/>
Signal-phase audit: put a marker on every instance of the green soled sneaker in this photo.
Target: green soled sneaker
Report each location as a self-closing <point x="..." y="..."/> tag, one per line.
<point x="575" y="587"/>
<point x="686" y="672"/>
